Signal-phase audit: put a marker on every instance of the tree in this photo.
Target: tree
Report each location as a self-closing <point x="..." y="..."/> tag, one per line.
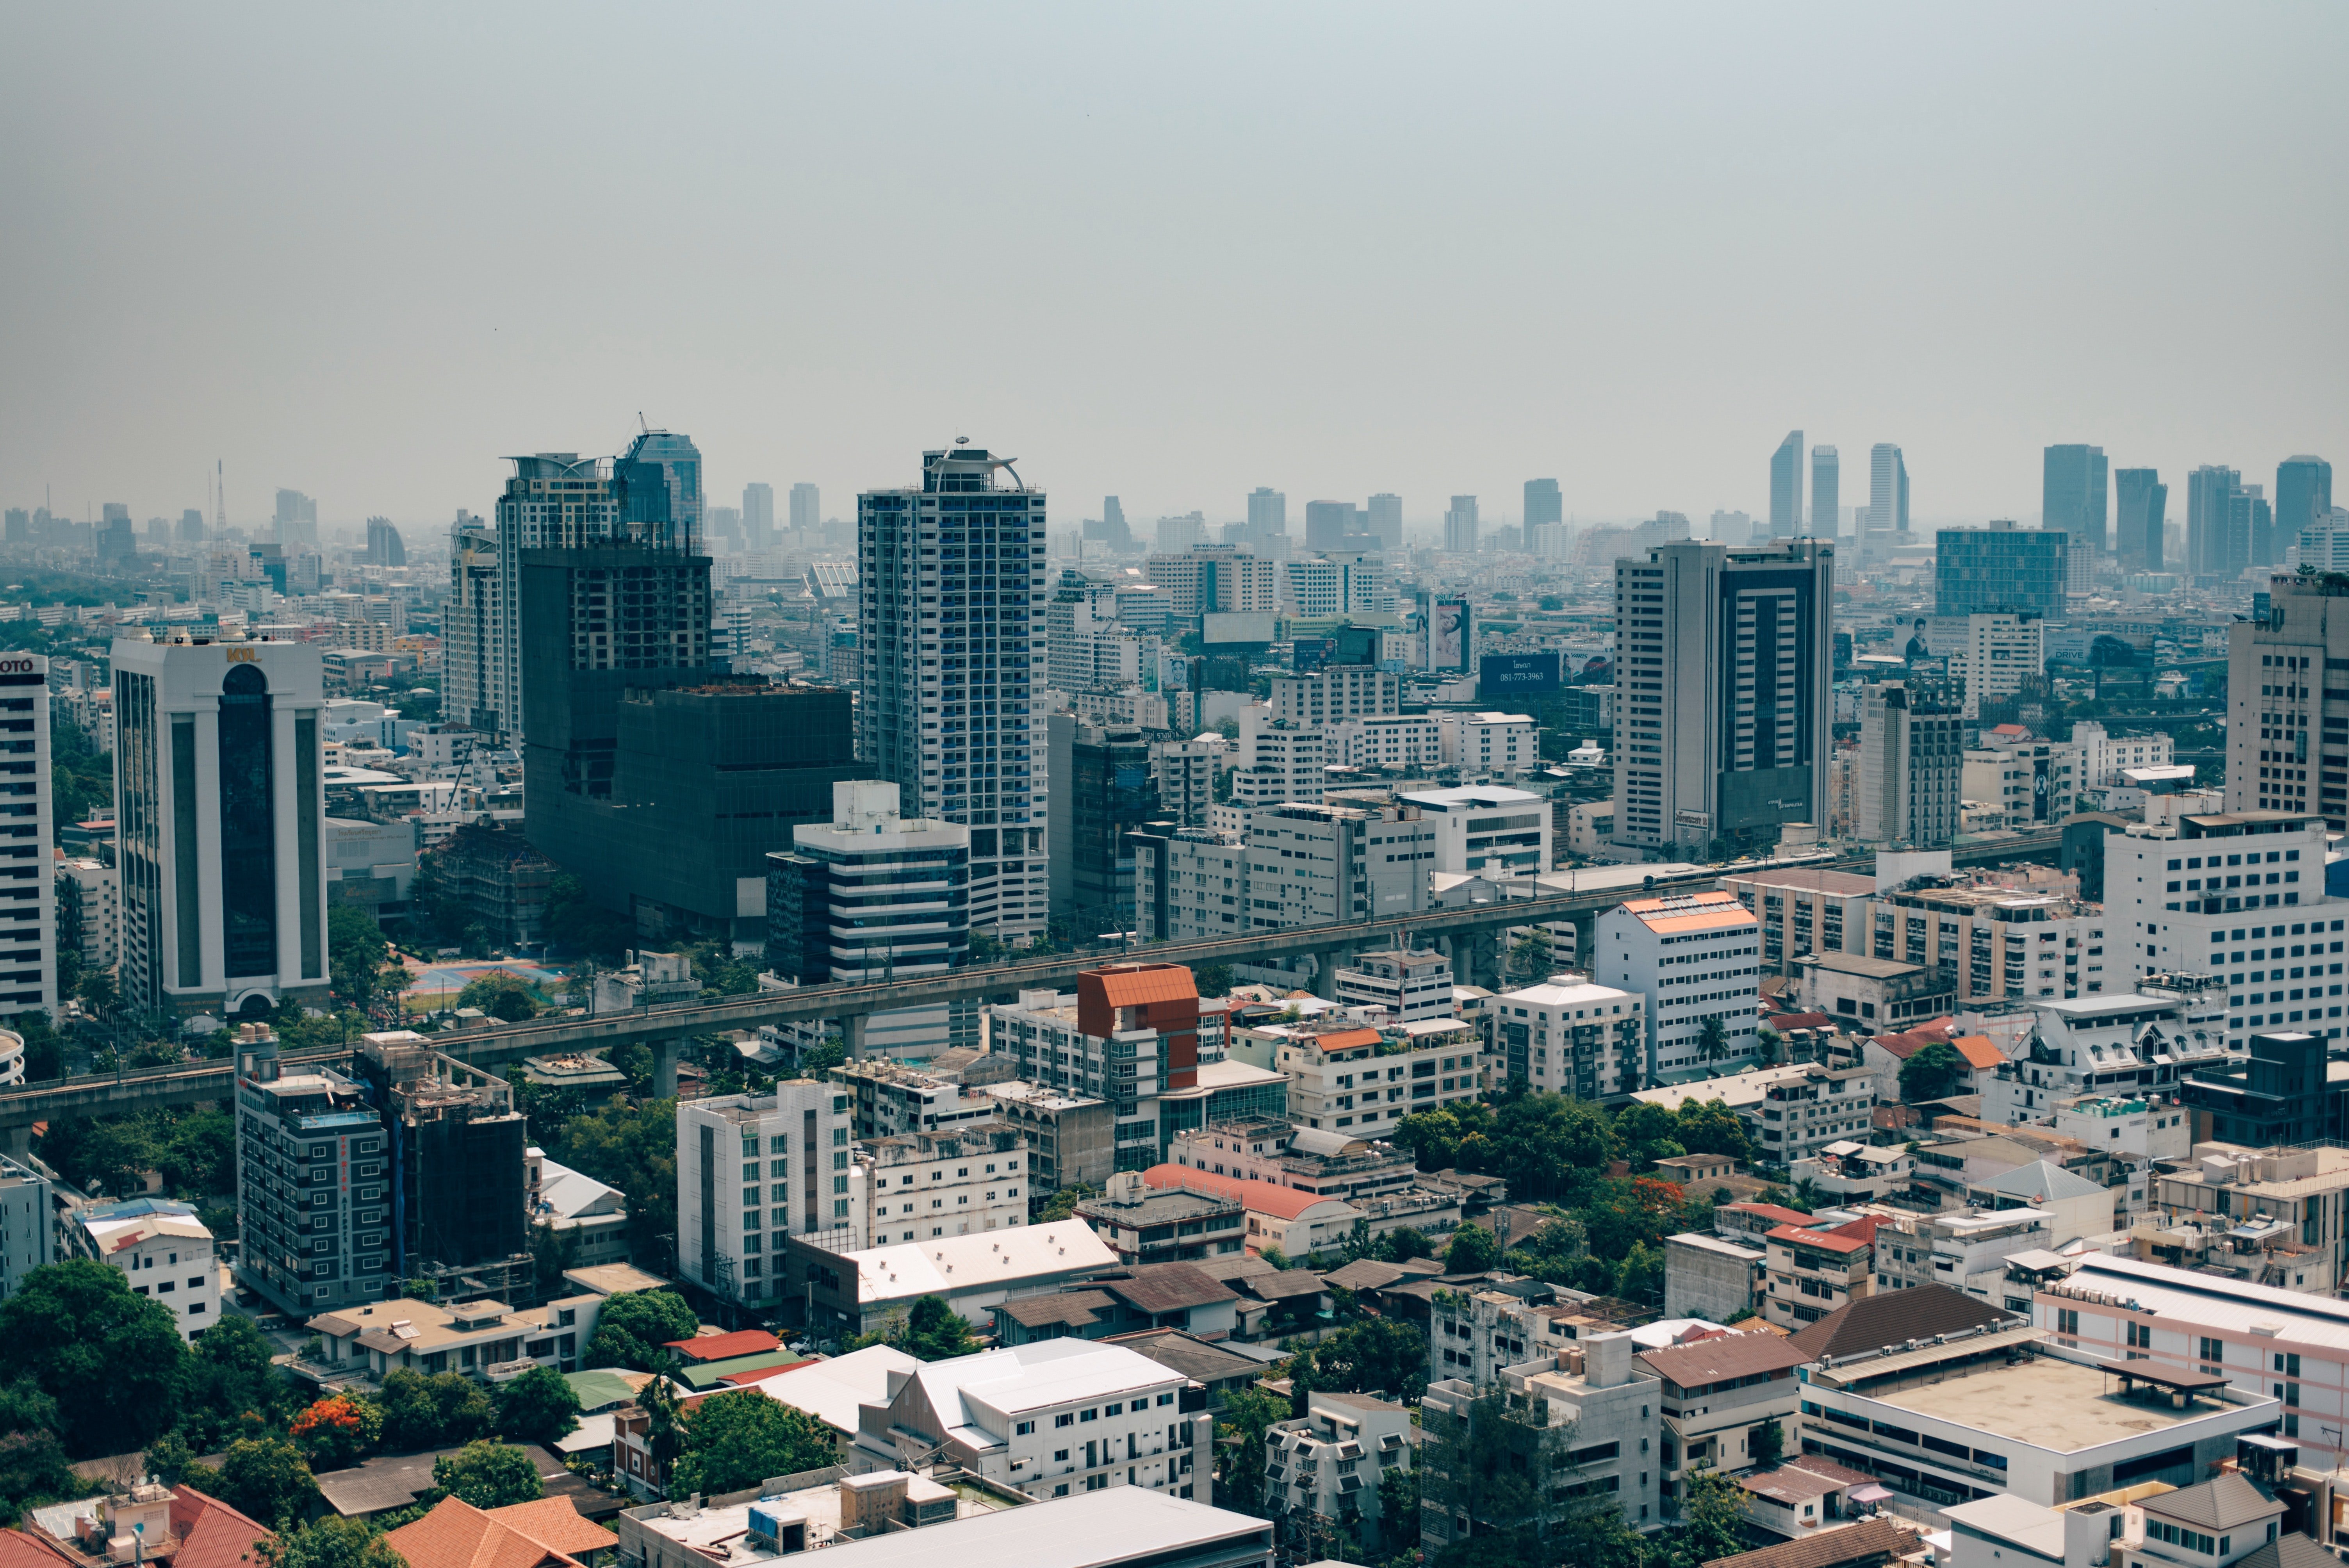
<point x="1530" y="960"/>
<point x="935" y="1332"/>
<point x="490" y="1474"/>
<point x="331" y="1541"/>
<point x="1064" y="1203"/>
<point x="1766" y="1041"/>
<point x="1624" y="1212"/>
<point x="1213" y="979"/>
<point x="540" y="1407"/>
<point x="634" y="1325"/>
<point x="1473" y="1249"/>
<point x="263" y="1478"/>
<point x="1403" y="1244"/>
<point x="1710" y="1518"/>
<point x="229" y="1387"/>
<point x="501" y="996"/>
<point x="110" y="1359"/>
<point x="1375" y="1355"/>
<point x="736" y="1439"/>
<point x="1765" y="1444"/>
<point x="664" y="1423"/>
<point x="1932" y="1072"/>
<point x="1711" y="1039"/>
<point x="1710" y="1126"/>
<point x="32" y="1470"/>
<point x="634" y="1150"/>
<point x="1246" y="1413"/>
<point x="360" y="965"/>
<point x="335" y="1431"/>
<point x="1399" y="1509"/>
<point x="436" y="1411"/>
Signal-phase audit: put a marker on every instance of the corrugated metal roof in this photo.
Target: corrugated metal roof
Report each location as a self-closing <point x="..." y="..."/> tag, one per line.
<point x="1901" y="1361"/>
<point x="2205" y="1301"/>
<point x="1134" y="987"/>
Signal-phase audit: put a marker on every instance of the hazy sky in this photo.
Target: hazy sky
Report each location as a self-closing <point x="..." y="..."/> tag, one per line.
<point x="1171" y="253"/>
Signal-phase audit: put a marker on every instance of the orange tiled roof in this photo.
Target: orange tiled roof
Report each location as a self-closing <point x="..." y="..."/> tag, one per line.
<point x="19" y="1549"/>
<point x="456" y="1534"/>
<point x="725" y="1347"/>
<point x="1256" y="1197"/>
<point x="212" y="1533"/>
<point x="1133" y="985"/>
<point x="553" y="1521"/>
<point x="1977" y="1051"/>
<point x="1345" y="1039"/>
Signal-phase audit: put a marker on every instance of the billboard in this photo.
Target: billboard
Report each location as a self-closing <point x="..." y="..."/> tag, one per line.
<point x="2041" y="784"/>
<point x="1218" y="627"/>
<point x="1447" y="635"/>
<point x="1518" y="675"/>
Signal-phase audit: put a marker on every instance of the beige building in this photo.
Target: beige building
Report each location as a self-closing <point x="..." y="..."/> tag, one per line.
<point x="1999" y="652"/>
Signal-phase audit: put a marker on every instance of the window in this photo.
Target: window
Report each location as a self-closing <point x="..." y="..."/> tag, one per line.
<point x="1064" y="1420"/>
<point x="1023" y="1428"/>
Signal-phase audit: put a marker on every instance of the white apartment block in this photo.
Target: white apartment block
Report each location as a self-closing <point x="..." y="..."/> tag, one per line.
<point x="1411" y="984"/>
<point x="1315" y="865"/>
<point x="2288" y="723"/>
<point x="1086" y="649"/>
<point x="1340" y="691"/>
<point x="164" y="1251"/>
<point x="1504" y="743"/>
<point x="1411" y="741"/>
<point x="1052" y="1418"/>
<point x="1696" y="957"/>
<point x="1127" y="1071"/>
<point x="2103" y="757"/>
<point x="2239" y="896"/>
<point x="1215" y="577"/>
<point x="1280" y="759"/>
<point x="1999" y="652"/>
<point x="1185" y="774"/>
<point x="1341" y="584"/>
<point x="964" y="1181"/>
<point x="1582" y="1040"/>
<point x="98" y="887"/>
<point x="1913" y="758"/>
<point x="2032" y="783"/>
<point x="754" y="1169"/>
<point x="1358" y="1078"/>
<point x="1484" y="827"/>
<point x="1204" y="875"/>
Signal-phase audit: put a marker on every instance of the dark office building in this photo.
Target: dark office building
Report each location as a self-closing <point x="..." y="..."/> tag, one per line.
<point x="2277" y="1096"/>
<point x="383" y="544"/>
<point x="2144" y="504"/>
<point x="1336" y="525"/>
<point x="2304" y="496"/>
<point x="456" y="1157"/>
<point x="2251" y="532"/>
<point x="2072" y="492"/>
<point x="1101" y="790"/>
<point x="2209" y="497"/>
<point x="2001" y="567"/>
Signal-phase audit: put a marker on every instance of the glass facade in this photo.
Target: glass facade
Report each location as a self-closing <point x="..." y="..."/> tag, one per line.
<point x="1976" y="571"/>
<point x="248" y="825"/>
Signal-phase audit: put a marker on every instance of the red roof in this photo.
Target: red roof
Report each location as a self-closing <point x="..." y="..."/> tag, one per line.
<point x="1784" y="1216"/>
<point x="1979" y="1052"/>
<point x="20" y="1550"/>
<point x="1138" y="985"/>
<point x="212" y="1533"/>
<point x="1910" y="1042"/>
<point x="757" y="1375"/>
<point x="1826" y="1241"/>
<point x="1345" y="1039"/>
<point x="1256" y="1197"/>
<point x="726" y="1347"/>
<point x="1801" y="1021"/>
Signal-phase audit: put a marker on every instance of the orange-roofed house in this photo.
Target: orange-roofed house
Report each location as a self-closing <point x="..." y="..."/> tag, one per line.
<point x="1812" y="1272"/>
<point x="1884" y="1055"/>
<point x="1697" y="958"/>
<point x="1297" y="1222"/>
<point x="546" y="1533"/>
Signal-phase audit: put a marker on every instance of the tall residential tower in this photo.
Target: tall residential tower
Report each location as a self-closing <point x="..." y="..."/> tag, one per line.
<point x="2072" y="493"/>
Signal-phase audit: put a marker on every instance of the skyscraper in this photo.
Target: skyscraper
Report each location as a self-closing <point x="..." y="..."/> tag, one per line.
<point x="191" y="525"/>
<point x="1724" y="658"/>
<point x="1545" y="517"/>
<point x="384" y="547"/>
<point x="1912" y="756"/>
<point x="1827" y="493"/>
<point x="117" y="541"/>
<point x="807" y="508"/>
<point x="1383" y="517"/>
<point x="1787" y="486"/>
<point x="2072" y="493"/>
<point x="2142" y="501"/>
<point x="659" y="480"/>
<point x="1460" y="526"/>
<point x="1268" y="517"/>
<point x="759" y="516"/>
<point x="217" y="769"/>
<point x="296" y="519"/>
<point x="2209" y="493"/>
<point x="1331" y="525"/>
<point x="28" y="920"/>
<point x="946" y="712"/>
<point x="1888" y="490"/>
<point x="2304" y="498"/>
<point x="2250" y="530"/>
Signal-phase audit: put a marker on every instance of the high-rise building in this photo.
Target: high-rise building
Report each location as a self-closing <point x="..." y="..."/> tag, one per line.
<point x="807" y="509"/>
<point x="1888" y="490"/>
<point x="221" y="820"/>
<point x="2209" y="496"/>
<point x="2072" y="493"/>
<point x="1174" y="533"/>
<point x="2304" y="498"/>
<point x="754" y="1169"/>
<point x="313" y="1183"/>
<point x="1545" y="517"/>
<point x="1208" y="578"/>
<point x="192" y="526"/>
<point x="117" y="541"/>
<point x="2283" y="752"/>
<point x="454" y="1159"/>
<point x="1826" y="492"/>
<point x="1787" y="486"/>
<point x="1997" y="653"/>
<point x="2142" y="498"/>
<point x="659" y="479"/>
<point x="868" y="895"/>
<point x="296" y="520"/>
<point x="2250" y="530"/>
<point x="19" y="527"/>
<point x="1268" y="516"/>
<point x="554" y="500"/>
<point x="2001" y="567"/>
<point x="28" y="918"/>
<point x="947" y="712"/>
<point x="383" y="544"/>
<point x="1343" y="583"/>
<point x="1724" y="658"/>
<point x="759" y="517"/>
<point x="1912" y="758"/>
<point x="1331" y="525"/>
<point x="1460" y="526"/>
<point x="1104" y="787"/>
<point x="1382" y="520"/>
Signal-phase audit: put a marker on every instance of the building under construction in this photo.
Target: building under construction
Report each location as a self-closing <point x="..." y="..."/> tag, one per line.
<point x="455" y="1145"/>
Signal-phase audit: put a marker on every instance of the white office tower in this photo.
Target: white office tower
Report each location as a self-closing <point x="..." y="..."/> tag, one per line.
<point x="1724" y="658"/>
<point x="1340" y="582"/>
<point x="221" y="820"/>
<point x="951" y="589"/>
<point x="2287" y="737"/>
<point x="1912" y="760"/>
<point x="1698" y="957"/>
<point x="1888" y="490"/>
<point x="754" y="1169"/>
<point x="28" y="913"/>
<point x="1210" y="578"/>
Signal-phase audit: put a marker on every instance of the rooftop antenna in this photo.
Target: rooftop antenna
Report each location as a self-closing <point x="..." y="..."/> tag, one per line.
<point x="220" y="499"/>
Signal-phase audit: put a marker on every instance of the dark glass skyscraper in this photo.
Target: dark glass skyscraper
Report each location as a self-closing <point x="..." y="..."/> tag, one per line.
<point x="1787" y="486"/>
<point x="2209" y="493"/>
<point x="2072" y="492"/>
<point x="660" y="499"/>
<point x="2144" y="500"/>
<point x="2001" y="567"/>
<point x="2303" y="495"/>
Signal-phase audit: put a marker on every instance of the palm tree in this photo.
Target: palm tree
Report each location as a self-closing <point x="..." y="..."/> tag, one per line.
<point x="1807" y="1195"/>
<point x="1712" y="1040"/>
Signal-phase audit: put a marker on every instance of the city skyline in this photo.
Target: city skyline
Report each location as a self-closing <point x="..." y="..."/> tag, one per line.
<point x="1608" y="335"/>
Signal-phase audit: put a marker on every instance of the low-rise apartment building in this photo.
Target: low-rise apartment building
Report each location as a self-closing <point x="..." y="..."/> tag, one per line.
<point x="1357" y="1078"/>
<point x="1585" y="1040"/>
<point x="1072" y="1138"/>
<point x="892" y="1097"/>
<point x="488" y="1339"/>
<point x="1328" y="1462"/>
<point x="1697" y="957"/>
<point x="1715" y="1396"/>
<point x="163" y="1250"/>
<point x="1411" y="984"/>
<point x="1484" y="827"/>
<point x="2276" y="1216"/>
<point x="1501" y="744"/>
<point x="1815" y="1270"/>
<point x="967" y="1179"/>
<point x="1964" y="1250"/>
<point x="1801" y="1116"/>
<point x="1145" y="1224"/>
<point x="1311" y="1159"/>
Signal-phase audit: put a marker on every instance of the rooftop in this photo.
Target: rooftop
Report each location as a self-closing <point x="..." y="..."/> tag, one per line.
<point x="831" y="1391"/>
<point x="2061" y="1406"/>
<point x="1256" y="1197"/>
<point x="950" y="1263"/>
<point x="1091" y="1530"/>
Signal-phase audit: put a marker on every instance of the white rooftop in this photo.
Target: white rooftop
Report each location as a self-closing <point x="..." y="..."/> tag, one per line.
<point x="1579" y="993"/>
<point x="831" y="1390"/>
<point x="1035" y="1377"/>
<point x="2213" y="1301"/>
<point x="948" y="1264"/>
<point x="1091" y="1530"/>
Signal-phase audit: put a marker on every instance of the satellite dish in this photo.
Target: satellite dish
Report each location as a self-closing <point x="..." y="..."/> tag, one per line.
<point x="962" y="440"/>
